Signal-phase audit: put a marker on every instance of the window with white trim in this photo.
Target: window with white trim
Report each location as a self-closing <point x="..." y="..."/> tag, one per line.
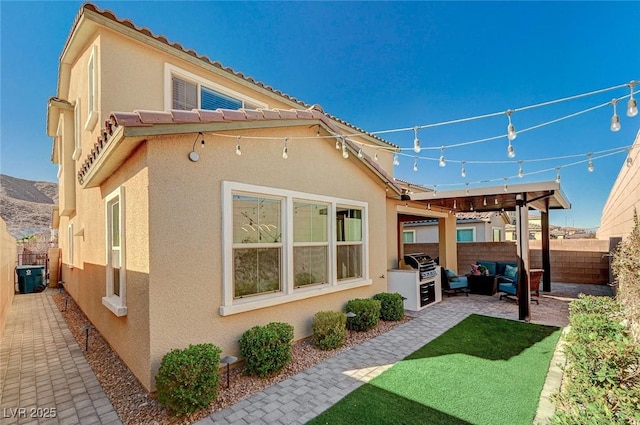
<point x="408" y="236"/>
<point x="92" y="94"/>
<point x="497" y="234"/>
<point x="187" y="91"/>
<point x="466" y="234"/>
<point x="116" y="287"/>
<point x="281" y="246"/>
<point x="77" y="133"/>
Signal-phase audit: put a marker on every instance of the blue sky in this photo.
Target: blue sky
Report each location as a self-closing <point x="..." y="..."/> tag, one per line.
<point x="382" y="66"/>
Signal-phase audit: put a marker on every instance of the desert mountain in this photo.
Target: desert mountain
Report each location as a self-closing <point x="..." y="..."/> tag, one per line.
<point x="25" y="205"/>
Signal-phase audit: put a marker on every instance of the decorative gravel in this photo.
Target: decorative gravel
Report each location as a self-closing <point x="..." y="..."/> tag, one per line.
<point x="135" y="405"/>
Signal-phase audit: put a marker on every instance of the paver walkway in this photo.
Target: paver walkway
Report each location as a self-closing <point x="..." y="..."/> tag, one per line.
<point x="307" y="394"/>
<point x="42" y="366"/>
<point x="44" y="377"/>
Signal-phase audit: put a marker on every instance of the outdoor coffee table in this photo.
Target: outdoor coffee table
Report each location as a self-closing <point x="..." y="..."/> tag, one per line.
<point x="482" y="284"/>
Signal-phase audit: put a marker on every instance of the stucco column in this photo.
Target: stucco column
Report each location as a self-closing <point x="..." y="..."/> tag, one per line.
<point x="448" y="242"/>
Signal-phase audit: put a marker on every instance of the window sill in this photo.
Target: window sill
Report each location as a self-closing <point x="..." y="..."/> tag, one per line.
<point x="91" y="121"/>
<point x="114" y="304"/>
<point x="244" y="306"/>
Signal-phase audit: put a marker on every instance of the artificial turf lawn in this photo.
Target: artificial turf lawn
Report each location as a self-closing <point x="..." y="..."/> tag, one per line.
<point x="484" y="370"/>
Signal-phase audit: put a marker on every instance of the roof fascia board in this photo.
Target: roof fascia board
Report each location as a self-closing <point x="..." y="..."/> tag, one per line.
<point x="116" y="139"/>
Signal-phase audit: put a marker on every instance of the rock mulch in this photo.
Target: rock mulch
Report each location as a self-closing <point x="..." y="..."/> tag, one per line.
<point x="135" y="405"/>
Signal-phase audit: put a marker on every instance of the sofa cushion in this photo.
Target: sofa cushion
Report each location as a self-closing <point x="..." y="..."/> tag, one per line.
<point x="508" y="288"/>
<point x="502" y="265"/>
<point x="458" y="284"/>
<point x="453" y="277"/>
<point x="511" y="272"/>
<point x="490" y="265"/>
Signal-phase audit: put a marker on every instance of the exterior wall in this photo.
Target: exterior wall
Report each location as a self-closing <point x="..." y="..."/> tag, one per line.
<point x="185" y="225"/>
<point x="483" y="230"/>
<point x="85" y="275"/>
<point x="572" y="260"/>
<point x="8" y="261"/>
<point x="623" y="200"/>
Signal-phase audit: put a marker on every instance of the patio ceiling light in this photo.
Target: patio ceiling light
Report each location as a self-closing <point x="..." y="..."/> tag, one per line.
<point x="615" y="119"/>
<point x="632" y="104"/>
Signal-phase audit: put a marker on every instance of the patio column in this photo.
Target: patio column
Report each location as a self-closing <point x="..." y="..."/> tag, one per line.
<point x="447" y="238"/>
<point x="522" y="229"/>
<point x="546" y="259"/>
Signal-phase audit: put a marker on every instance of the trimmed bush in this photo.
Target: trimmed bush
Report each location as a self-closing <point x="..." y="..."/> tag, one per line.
<point x="267" y="349"/>
<point x="187" y="380"/>
<point x="391" y="307"/>
<point x="329" y="330"/>
<point x="602" y="382"/>
<point x="367" y="313"/>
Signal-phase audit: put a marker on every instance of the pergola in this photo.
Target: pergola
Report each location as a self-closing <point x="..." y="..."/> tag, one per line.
<point x="543" y="196"/>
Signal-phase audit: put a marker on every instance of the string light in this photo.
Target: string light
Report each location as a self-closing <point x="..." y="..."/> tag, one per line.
<point x="629" y="159"/>
<point x="471" y="207"/>
<point x="428" y="205"/>
<point x="416" y="141"/>
<point x="415" y="164"/>
<point x="558" y="175"/>
<point x="632" y="104"/>
<point x="615" y="119"/>
<point x="463" y="172"/>
<point x="238" y="151"/>
<point x="285" y="150"/>
<point x="590" y="166"/>
<point x="511" y="153"/>
<point x="511" y="130"/>
<point x="520" y="172"/>
<point x="506" y="189"/>
<point x="466" y="192"/>
<point x="484" y="201"/>
<point x="455" y="204"/>
<point x="338" y="146"/>
<point x="345" y="153"/>
<point x="441" y="161"/>
<point x="396" y="162"/>
<point x="495" y="201"/>
<point x="360" y="154"/>
<point x="435" y="190"/>
<point x="375" y="156"/>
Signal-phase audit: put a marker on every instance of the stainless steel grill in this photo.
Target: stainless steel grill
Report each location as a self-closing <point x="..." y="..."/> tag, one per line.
<point x="423" y="263"/>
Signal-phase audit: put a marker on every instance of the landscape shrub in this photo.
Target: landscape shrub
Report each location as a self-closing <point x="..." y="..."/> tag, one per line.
<point x="602" y="376"/>
<point x="188" y="378"/>
<point x="626" y="268"/>
<point x="391" y="307"/>
<point x="267" y="349"/>
<point x="367" y="313"/>
<point x="329" y="329"/>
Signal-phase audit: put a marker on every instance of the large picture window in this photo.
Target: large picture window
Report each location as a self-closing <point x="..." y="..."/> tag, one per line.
<point x="281" y="246"/>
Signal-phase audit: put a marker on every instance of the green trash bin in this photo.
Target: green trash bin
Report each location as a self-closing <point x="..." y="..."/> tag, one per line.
<point x="29" y="277"/>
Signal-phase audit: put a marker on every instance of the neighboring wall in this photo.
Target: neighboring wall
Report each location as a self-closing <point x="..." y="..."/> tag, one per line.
<point x="624" y="199"/>
<point x="8" y="257"/>
<point x="572" y="260"/>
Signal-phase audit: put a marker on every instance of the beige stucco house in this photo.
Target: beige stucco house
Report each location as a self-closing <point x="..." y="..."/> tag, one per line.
<point x="196" y="202"/>
<point x="470" y="227"/>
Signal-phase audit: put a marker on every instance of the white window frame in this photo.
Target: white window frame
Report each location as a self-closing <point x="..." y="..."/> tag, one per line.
<point x="288" y="293"/>
<point x="92" y="93"/>
<point x="473" y="230"/>
<point x="77" y="134"/>
<point x="493" y="229"/>
<point x="295" y="244"/>
<point x="413" y="232"/>
<point x="172" y="70"/>
<point x="117" y="304"/>
<point x="70" y="245"/>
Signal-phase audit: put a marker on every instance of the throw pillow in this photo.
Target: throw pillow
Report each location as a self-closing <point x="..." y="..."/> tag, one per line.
<point x="453" y="277"/>
<point x="475" y="270"/>
<point x="510" y="272"/>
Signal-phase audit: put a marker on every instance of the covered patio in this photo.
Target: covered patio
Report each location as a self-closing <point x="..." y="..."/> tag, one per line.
<point x="543" y="197"/>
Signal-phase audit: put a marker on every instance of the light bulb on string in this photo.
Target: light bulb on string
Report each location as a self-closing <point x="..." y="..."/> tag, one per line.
<point x="558" y="175"/>
<point x="506" y="189"/>
<point x="495" y="201"/>
<point x="415" y="164"/>
<point x="338" y="146"/>
<point x="345" y="153"/>
<point x="466" y="192"/>
<point x="629" y="159"/>
<point x="238" y="151"/>
<point x="396" y="162"/>
<point x="590" y="165"/>
<point x="484" y="201"/>
<point x="285" y="150"/>
<point x="455" y="204"/>
<point x="511" y="153"/>
<point x="463" y="172"/>
<point x="615" y="119"/>
<point x="435" y="190"/>
<point x="428" y="205"/>
<point x="441" y="161"/>
<point x="632" y="104"/>
<point x="360" y="154"/>
<point x="511" y="130"/>
<point x="375" y="156"/>
<point x="520" y="171"/>
<point x="416" y="141"/>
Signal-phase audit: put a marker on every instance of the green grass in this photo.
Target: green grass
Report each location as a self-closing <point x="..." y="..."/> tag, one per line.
<point x="484" y="370"/>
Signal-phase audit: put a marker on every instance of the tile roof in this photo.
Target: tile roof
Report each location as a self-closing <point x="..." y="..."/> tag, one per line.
<point x="144" y="118"/>
<point x="147" y="32"/>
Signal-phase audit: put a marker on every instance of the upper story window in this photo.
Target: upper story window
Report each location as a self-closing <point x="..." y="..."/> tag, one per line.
<point x="186" y="91"/>
<point x="92" y="87"/>
<point x="77" y="133"/>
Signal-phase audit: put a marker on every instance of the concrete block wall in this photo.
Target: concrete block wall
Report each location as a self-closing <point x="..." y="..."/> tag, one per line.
<point x="8" y="261"/>
<point x="572" y="260"/>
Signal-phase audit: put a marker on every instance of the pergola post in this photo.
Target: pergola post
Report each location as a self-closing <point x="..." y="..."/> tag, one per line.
<point x="546" y="258"/>
<point x="448" y="242"/>
<point x="522" y="229"/>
